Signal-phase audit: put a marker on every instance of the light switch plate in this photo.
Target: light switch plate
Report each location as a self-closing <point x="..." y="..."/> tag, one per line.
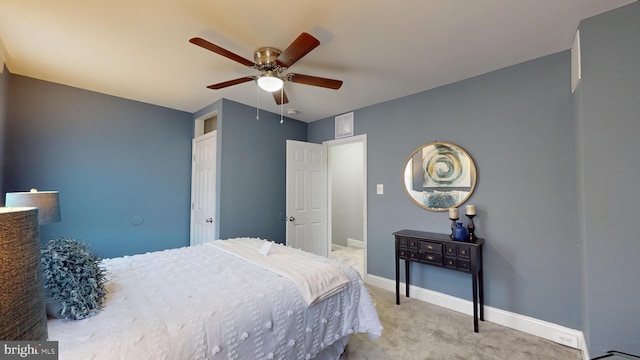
<point x="379" y="189"/>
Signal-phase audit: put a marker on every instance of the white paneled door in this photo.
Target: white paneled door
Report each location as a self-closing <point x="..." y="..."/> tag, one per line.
<point x="306" y="213"/>
<point x="203" y="188"/>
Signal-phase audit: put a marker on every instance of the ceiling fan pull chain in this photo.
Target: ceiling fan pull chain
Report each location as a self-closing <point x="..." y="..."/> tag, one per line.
<point x="281" y="104"/>
<point x="258" y="103"/>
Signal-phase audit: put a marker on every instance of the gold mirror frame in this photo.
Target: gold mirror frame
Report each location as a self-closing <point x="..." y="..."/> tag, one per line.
<point x="439" y="175"/>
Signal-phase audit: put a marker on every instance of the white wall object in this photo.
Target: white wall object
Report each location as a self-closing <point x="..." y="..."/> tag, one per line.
<point x="344" y="125"/>
<point x="576" y="71"/>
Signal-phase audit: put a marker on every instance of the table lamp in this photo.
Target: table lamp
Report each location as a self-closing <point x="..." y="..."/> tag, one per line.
<point x="47" y="203"/>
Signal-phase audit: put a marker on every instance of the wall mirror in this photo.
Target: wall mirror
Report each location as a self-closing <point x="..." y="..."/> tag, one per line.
<point x="439" y="175"/>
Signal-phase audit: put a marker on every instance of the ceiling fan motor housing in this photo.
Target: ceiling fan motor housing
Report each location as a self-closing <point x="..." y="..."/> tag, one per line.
<point x="266" y="55"/>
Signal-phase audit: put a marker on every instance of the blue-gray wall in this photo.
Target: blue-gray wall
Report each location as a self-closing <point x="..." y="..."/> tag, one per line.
<point x="609" y="122"/>
<point x="517" y="124"/>
<point x="251" y="171"/>
<point x="112" y="160"/>
<point x="556" y="178"/>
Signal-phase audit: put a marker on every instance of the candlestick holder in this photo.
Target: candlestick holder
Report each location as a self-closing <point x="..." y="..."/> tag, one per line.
<point x="472" y="228"/>
<point x="453" y="226"/>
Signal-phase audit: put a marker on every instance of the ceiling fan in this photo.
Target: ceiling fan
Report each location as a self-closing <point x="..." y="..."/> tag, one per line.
<point x="271" y="63"/>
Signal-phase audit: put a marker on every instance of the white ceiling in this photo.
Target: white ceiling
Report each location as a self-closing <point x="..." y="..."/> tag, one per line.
<point x="382" y="50"/>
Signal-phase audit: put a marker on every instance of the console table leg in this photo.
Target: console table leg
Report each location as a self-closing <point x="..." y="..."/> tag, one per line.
<point x="475" y="302"/>
<point x="406" y="275"/>
<point x="397" y="279"/>
<point x="481" y="291"/>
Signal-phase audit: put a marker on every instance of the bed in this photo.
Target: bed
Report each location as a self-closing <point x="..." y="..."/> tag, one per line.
<point x="212" y="301"/>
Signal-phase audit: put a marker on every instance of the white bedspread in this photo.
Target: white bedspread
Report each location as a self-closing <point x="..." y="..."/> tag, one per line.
<point x="315" y="279"/>
<point x="202" y="303"/>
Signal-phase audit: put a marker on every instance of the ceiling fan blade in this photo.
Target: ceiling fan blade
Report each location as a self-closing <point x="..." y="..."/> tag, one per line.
<point x="315" y="81"/>
<point x="220" y="51"/>
<point x="300" y="47"/>
<point x="276" y="96"/>
<point x="230" y="83"/>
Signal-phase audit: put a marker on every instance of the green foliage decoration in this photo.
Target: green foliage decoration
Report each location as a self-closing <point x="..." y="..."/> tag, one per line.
<point x="73" y="278"/>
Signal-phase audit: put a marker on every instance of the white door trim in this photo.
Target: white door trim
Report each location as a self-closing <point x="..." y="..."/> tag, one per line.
<point x="353" y="139"/>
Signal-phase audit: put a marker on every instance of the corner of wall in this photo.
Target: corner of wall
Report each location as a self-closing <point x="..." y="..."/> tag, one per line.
<point x="2" y="58"/>
<point x="4" y="95"/>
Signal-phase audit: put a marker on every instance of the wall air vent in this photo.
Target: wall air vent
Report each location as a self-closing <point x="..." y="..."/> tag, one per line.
<point x="344" y="125"/>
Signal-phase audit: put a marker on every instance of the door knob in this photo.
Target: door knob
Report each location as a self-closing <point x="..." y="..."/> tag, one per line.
<point x="291" y="218"/>
<point x="209" y="220"/>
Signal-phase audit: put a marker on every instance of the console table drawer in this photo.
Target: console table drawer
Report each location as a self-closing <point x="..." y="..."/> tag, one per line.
<point x="463" y="251"/>
<point x="451" y="262"/>
<point x="458" y="264"/>
<point x="402" y="241"/>
<point x="402" y="253"/>
<point x="431" y="258"/>
<point x="431" y="247"/>
<point x="464" y="265"/>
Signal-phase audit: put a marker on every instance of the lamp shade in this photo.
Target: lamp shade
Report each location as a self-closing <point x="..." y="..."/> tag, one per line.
<point x="22" y="301"/>
<point x="47" y="203"/>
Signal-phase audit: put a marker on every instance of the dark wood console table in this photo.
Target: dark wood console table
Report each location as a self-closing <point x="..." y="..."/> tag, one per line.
<point x="439" y="250"/>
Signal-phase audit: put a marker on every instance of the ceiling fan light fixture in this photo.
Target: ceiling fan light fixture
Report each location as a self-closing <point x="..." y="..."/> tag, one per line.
<point x="269" y="82"/>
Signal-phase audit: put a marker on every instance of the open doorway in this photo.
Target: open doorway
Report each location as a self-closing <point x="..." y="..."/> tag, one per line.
<point x="347" y="200"/>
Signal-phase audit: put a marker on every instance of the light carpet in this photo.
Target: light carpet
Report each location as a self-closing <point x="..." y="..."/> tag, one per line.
<point x="351" y="256"/>
<point x="419" y="330"/>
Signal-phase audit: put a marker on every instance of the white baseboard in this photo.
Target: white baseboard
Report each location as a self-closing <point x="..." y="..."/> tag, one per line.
<point x="335" y="247"/>
<point x="515" y="321"/>
<point x="355" y="243"/>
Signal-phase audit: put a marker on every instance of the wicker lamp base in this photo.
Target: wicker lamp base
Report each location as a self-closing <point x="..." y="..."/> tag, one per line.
<point x="22" y="302"/>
